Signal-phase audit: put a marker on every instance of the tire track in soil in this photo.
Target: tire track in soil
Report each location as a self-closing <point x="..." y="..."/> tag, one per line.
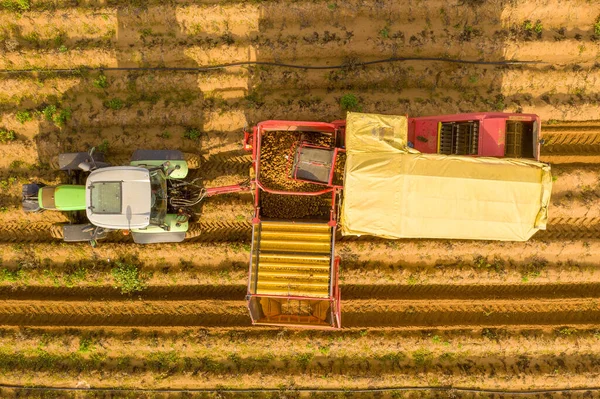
<point x="370" y="313"/>
<point x="571" y="143"/>
<point x="212" y="313"/>
<point x="100" y="293"/>
<point x="224" y="231"/>
<point x="570" y="228"/>
<point x="198" y="232"/>
<point x="471" y="291"/>
<point x="194" y="292"/>
<point x="357" y="313"/>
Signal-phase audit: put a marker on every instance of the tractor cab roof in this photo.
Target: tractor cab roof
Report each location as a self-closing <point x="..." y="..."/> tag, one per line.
<point x="119" y="197"/>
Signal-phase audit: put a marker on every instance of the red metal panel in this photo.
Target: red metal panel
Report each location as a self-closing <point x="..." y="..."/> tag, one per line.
<point x="424" y="135"/>
<point x="492" y="132"/>
<point x="296" y="125"/>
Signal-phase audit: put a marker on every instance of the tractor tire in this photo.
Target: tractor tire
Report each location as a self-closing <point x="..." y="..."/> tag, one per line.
<point x="193" y="160"/>
<point x="71" y="160"/>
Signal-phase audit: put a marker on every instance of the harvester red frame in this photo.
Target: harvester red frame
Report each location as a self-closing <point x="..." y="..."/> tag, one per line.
<point x="424" y="132"/>
<point x="252" y="142"/>
<point x="491" y="142"/>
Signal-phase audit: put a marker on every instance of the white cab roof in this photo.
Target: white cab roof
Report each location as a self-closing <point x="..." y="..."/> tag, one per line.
<point x="119" y="197"/>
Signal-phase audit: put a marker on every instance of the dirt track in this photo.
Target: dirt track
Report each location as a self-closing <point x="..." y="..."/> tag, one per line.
<point x="364" y="306"/>
<point x="529" y="309"/>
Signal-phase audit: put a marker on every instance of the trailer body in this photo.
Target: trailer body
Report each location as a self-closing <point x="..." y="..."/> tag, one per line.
<point x="395" y="184"/>
<point x="488" y="134"/>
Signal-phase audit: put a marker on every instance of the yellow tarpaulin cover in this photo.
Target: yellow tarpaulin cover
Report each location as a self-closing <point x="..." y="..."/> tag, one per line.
<point x="391" y="193"/>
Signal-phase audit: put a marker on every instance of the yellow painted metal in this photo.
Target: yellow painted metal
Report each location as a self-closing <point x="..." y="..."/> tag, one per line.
<point x="296" y="258"/>
<point x="293" y="259"/>
<point x="293" y="274"/>
<point x="315" y="291"/>
<point x="295" y="235"/>
<point x="294" y="246"/>
<point x="295" y="227"/>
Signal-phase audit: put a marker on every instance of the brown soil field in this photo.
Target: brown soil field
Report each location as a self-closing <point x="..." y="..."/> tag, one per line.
<point x="420" y="313"/>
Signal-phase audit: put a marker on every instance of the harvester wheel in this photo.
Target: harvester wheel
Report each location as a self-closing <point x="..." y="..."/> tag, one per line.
<point x="193" y="160"/>
<point x="70" y="161"/>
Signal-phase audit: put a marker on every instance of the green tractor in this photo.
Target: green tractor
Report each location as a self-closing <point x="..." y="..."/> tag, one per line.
<point x="148" y="198"/>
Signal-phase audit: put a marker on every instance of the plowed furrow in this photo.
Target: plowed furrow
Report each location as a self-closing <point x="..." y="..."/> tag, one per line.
<point x="173" y="292"/>
<point x="195" y="292"/>
<point x="30" y="232"/>
<point x="123" y="313"/>
<point x="571" y="229"/>
<point x="369" y="313"/>
<point x="220" y="164"/>
<point x="475" y="291"/>
<point x="571" y="139"/>
<point x="219" y="231"/>
<point x="357" y="313"/>
<point x="198" y="232"/>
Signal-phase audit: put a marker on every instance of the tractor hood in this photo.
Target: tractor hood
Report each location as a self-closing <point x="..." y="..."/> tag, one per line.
<point x="119" y="197"/>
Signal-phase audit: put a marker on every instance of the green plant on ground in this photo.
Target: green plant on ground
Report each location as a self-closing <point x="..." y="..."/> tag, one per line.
<point x="349" y="102"/>
<point x="24" y="116"/>
<point x="304" y="359"/>
<point x="48" y="112"/>
<point x="127" y="277"/>
<point x="192" y="134"/>
<point x="385" y="32"/>
<point x="331" y="6"/>
<point x="422" y="357"/>
<point x="6" y="136"/>
<point x="254" y="99"/>
<point x="61" y="117"/>
<point x="58" y="116"/>
<point x="15" y="5"/>
<point x="9" y="182"/>
<point x="63" y="49"/>
<point x="103" y="147"/>
<point x="33" y="38"/>
<point x="16" y="164"/>
<point x="533" y="269"/>
<point x="531" y="27"/>
<point x="165" y="135"/>
<point x="567" y="331"/>
<point x="11" y="276"/>
<point x="85" y="344"/>
<point x="101" y="82"/>
<point x="114" y="103"/>
<point x="597" y="26"/>
<point x="75" y="276"/>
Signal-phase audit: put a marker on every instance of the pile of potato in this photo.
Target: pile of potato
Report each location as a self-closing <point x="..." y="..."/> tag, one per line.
<point x="295" y="206"/>
<point x="338" y="170"/>
<point x="276" y="161"/>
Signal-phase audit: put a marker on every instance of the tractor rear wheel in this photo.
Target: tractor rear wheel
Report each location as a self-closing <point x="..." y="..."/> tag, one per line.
<point x="193" y="160"/>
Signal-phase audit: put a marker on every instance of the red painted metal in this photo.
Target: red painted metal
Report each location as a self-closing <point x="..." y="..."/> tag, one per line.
<point x="236" y="188"/>
<point x="492" y="133"/>
<point x="423" y="131"/>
